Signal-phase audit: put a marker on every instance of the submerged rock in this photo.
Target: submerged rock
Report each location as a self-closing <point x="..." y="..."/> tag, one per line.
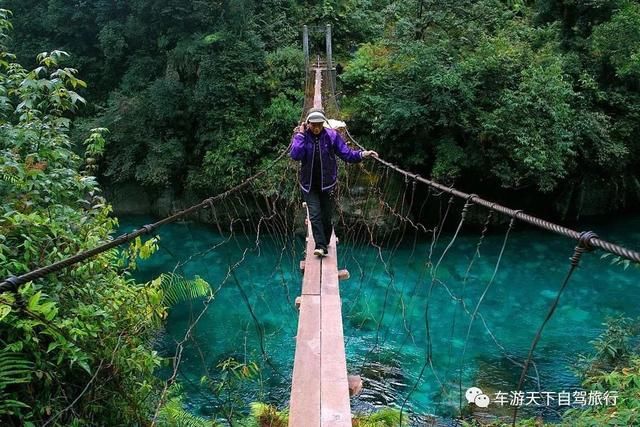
<point x="383" y="385"/>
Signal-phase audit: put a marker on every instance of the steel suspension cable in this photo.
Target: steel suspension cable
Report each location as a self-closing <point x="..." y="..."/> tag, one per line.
<point x="582" y="247"/>
<point x="13" y="282"/>
<point x="594" y="241"/>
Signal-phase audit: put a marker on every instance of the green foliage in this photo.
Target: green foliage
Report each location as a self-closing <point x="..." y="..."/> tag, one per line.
<point x="176" y="289"/>
<point x="614" y="367"/>
<point x="284" y="70"/>
<point x="173" y="414"/>
<point x="385" y="417"/>
<point x="616" y="260"/>
<point x="96" y="142"/>
<point x="503" y="99"/>
<point x="521" y="89"/>
<point x="529" y="133"/>
<point x="527" y="422"/>
<point x="95" y="146"/>
<point x="626" y="382"/>
<point x="354" y="22"/>
<point x="234" y="378"/>
<point x="449" y="160"/>
<point x="15" y="368"/>
<point x="267" y="415"/>
<point x="538" y="95"/>
<point x="613" y="348"/>
<point x="618" y="41"/>
<point x="83" y="335"/>
<point x="233" y="370"/>
<point x="202" y="123"/>
<point x="140" y="250"/>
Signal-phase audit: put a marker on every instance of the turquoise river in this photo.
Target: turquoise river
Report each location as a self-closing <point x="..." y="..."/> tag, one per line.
<point x="253" y="319"/>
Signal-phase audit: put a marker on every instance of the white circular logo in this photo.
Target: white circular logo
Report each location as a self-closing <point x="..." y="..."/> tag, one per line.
<point x="482" y="401"/>
<point x="476" y="396"/>
<point x="472" y="393"/>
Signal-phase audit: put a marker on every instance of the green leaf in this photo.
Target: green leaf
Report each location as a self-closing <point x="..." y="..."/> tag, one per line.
<point x="177" y="289"/>
<point x="4" y="311"/>
<point x="212" y="38"/>
<point x="84" y="365"/>
<point x="32" y="305"/>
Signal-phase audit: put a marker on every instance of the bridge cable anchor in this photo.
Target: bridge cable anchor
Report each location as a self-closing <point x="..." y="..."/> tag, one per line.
<point x="148" y="228"/>
<point x="584" y="245"/>
<point x="11" y="283"/>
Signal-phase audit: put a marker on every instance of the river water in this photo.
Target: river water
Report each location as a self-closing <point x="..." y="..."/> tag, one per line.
<point x="252" y="317"/>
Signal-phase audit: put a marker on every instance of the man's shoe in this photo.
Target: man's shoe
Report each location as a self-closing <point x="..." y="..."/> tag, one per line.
<point x="321" y="252"/>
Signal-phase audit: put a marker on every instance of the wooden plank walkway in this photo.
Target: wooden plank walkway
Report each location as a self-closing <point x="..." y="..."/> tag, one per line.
<point x="320" y="389"/>
<point x="317" y="94"/>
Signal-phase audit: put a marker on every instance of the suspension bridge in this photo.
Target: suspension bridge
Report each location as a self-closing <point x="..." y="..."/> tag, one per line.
<point x="385" y="206"/>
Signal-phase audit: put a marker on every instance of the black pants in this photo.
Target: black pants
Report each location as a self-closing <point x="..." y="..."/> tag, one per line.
<point x="320" y="205"/>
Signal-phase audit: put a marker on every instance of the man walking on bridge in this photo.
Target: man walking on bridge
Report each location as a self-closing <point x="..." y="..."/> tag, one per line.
<point x="316" y="147"/>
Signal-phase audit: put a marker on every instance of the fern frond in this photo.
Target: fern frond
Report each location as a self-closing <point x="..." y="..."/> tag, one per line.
<point x="9" y="406"/>
<point x="11" y="179"/>
<point x="177" y="289"/>
<point x="14" y="369"/>
<point x="173" y="414"/>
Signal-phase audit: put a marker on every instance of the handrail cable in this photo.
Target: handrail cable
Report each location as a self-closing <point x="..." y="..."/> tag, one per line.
<point x="592" y="242"/>
<point x="12" y="283"/>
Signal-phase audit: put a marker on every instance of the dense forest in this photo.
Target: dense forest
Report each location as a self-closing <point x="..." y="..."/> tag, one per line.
<point x="526" y="102"/>
<point x="515" y="100"/>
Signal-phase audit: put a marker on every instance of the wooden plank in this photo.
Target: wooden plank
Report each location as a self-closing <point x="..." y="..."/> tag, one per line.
<point x="311" y="279"/>
<point x="305" y="407"/>
<point x="317" y="96"/>
<point x="312" y="268"/>
<point x="335" y="408"/>
<point x="320" y="386"/>
<point x="330" y="270"/>
<point x="305" y="385"/>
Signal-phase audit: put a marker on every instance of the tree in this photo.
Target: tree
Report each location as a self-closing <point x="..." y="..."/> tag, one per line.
<point x="80" y="336"/>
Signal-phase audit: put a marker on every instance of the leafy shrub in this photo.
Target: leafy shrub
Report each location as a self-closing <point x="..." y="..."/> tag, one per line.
<point x="77" y="344"/>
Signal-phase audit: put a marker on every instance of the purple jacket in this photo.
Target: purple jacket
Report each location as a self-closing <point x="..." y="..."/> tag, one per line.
<point x="331" y="144"/>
